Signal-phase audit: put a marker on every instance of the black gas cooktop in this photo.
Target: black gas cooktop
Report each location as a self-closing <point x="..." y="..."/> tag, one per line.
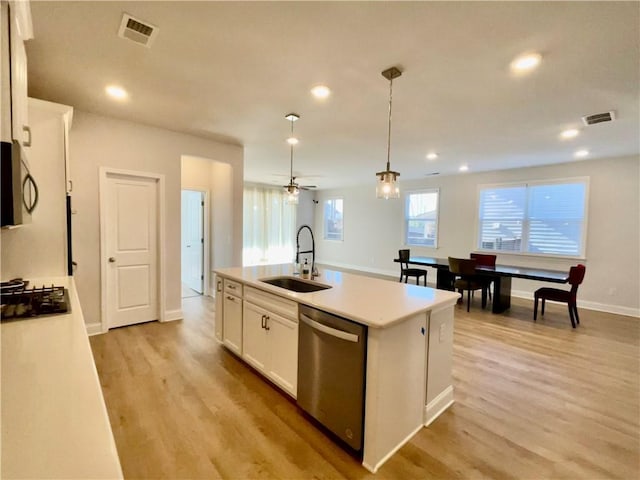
<point x="19" y="301"/>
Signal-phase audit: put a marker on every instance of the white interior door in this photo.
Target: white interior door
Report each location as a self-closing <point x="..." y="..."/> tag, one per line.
<point x="192" y="239"/>
<point x="131" y="250"/>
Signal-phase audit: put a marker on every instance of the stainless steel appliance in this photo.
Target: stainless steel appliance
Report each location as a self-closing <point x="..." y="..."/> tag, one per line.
<point x="18" y="192"/>
<point x="18" y="302"/>
<point x="332" y="355"/>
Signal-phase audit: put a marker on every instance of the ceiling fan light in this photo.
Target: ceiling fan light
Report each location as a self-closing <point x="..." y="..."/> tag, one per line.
<point x="293" y="194"/>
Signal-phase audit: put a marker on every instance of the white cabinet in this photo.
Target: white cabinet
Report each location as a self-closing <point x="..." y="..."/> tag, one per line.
<point x="269" y="339"/>
<point x="232" y="316"/>
<point x="282" y="366"/>
<point x="20" y="31"/>
<point x="219" y="309"/>
<point x="254" y="336"/>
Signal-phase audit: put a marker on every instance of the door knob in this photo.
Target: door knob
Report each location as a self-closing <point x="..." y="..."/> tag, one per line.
<point x="112" y="260"/>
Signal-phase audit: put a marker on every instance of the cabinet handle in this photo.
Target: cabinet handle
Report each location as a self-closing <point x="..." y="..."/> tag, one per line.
<point x="266" y="324"/>
<point x="229" y="297"/>
<point x="262" y="322"/>
<point x="219" y="289"/>
<point x="26" y="129"/>
<point x="232" y="287"/>
<point x="70" y="185"/>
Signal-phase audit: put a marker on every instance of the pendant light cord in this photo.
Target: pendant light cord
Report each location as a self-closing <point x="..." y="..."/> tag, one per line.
<point x="389" y="135"/>
<point x="291" y="164"/>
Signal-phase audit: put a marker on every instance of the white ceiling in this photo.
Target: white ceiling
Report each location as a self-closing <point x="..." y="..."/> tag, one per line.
<point x="232" y="70"/>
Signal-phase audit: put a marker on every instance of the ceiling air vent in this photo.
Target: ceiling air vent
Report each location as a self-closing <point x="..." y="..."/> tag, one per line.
<point x="137" y="31"/>
<point x="599" y="118"/>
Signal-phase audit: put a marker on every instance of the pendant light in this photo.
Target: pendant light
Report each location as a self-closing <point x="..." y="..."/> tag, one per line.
<point x="292" y="189"/>
<point x="387" y="186"/>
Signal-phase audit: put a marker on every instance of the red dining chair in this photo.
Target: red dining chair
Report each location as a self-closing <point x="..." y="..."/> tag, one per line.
<point x="576" y="275"/>
<point x="485" y="260"/>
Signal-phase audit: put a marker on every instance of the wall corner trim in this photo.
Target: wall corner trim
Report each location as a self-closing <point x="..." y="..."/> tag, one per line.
<point x="171" y="315"/>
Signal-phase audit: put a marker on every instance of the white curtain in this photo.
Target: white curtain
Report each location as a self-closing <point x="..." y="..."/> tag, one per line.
<point x="269" y="225"/>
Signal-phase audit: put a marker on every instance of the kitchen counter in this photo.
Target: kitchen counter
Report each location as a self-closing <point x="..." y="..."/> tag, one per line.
<point x="370" y="301"/>
<point x="54" y="419"/>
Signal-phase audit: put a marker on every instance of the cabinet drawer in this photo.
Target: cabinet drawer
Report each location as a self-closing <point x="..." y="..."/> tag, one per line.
<point x="273" y="303"/>
<point x="233" y="287"/>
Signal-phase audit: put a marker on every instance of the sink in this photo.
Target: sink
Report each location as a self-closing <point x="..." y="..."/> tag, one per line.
<point x="295" y="284"/>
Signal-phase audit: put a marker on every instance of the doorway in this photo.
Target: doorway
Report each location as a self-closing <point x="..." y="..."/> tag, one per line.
<point x="193" y="243"/>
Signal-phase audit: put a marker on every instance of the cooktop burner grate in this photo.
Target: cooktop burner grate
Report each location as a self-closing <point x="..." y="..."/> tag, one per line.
<point x="19" y="302"/>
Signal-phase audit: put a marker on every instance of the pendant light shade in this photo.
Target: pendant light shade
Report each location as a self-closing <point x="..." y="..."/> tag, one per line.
<point x="292" y="190"/>
<point x="387" y="180"/>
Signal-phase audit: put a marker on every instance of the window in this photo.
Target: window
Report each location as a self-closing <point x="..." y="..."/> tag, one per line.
<point x="333" y="217"/>
<point x="421" y="218"/>
<point x="269" y="227"/>
<point x="536" y="218"/>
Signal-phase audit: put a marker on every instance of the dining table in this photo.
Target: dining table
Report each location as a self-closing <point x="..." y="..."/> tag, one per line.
<point x="501" y="276"/>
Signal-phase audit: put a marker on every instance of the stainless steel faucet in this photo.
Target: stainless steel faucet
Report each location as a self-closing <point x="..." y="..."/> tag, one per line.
<point x="314" y="271"/>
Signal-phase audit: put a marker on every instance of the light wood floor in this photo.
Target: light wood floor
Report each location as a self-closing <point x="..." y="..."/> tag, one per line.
<point x="533" y="401"/>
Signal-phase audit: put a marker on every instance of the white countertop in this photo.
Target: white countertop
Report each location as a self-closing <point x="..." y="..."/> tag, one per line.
<point x="54" y="420"/>
<point x="370" y="301"/>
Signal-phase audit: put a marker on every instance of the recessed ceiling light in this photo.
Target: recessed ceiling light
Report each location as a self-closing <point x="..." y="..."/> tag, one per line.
<point x="464" y="168"/>
<point x="570" y="133"/>
<point x="116" y="92"/>
<point x="432" y="156"/>
<point x="526" y="62"/>
<point x="320" y="91"/>
<point x="292" y="141"/>
<point x="581" y="153"/>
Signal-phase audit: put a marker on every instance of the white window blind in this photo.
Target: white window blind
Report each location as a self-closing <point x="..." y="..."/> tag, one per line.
<point x="537" y="218"/>
<point x="421" y="218"/>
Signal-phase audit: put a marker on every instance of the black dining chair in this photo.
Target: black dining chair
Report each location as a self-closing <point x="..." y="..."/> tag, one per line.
<point x="464" y="269"/>
<point x="576" y="276"/>
<point x="406" y="272"/>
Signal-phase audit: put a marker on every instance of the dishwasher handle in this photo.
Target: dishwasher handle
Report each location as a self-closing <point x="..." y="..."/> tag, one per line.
<point x="350" y="337"/>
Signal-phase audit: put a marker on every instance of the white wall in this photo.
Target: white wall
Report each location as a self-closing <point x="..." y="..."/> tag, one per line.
<point x="216" y="178"/>
<point x="98" y="141"/>
<point x="373" y="229"/>
<point x="305" y="211"/>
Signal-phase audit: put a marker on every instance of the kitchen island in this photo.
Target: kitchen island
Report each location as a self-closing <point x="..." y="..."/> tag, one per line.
<point x="54" y="419"/>
<point x="408" y="351"/>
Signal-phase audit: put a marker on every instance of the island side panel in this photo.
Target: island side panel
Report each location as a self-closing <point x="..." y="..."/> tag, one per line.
<point x="439" y="393"/>
<point x="395" y="388"/>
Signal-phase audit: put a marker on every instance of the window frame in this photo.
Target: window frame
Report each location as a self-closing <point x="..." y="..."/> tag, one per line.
<point x="324" y="219"/>
<point x="405" y="221"/>
<point x="526" y="220"/>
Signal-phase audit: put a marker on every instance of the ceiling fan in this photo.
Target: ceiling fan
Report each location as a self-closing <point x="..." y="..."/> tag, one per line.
<point x="292" y="182"/>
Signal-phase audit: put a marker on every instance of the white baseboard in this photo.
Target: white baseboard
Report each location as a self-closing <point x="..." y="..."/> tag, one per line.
<point x="438" y="405"/>
<point x="392" y="274"/>
<point x="171" y="315"/>
<point x="374" y="468"/>
<point x="94" y="329"/>
<point x="600" y="307"/>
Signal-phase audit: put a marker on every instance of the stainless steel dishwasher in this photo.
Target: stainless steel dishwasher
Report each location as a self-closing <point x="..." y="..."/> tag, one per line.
<point x="331" y="373"/>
